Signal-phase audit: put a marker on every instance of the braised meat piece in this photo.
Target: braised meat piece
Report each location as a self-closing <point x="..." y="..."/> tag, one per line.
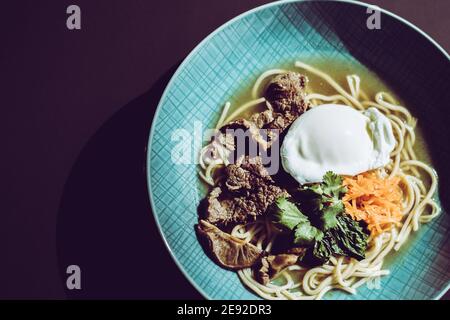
<point x="247" y="190"/>
<point x="263" y="118"/>
<point x="246" y="193"/>
<point x="227" y="140"/>
<point x="220" y="210"/>
<point x="270" y="266"/>
<point x="231" y="128"/>
<point x="230" y="252"/>
<point x="224" y="209"/>
<point x="286" y="93"/>
<point x="246" y="173"/>
<point x="285" y="96"/>
<point x="240" y="129"/>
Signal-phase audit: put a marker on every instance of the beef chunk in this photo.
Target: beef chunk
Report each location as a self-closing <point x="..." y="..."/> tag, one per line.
<point x="269" y="267"/>
<point x="230" y="252"/>
<point x="285" y="96"/>
<point x="286" y="93"/>
<point x="248" y="190"/>
<point x="246" y="193"/>
<point x="228" y="208"/>
<point x="262" y="119"/>
<point x="229" y="133"/>
<point x="219" y="210"/>
<point x="226" y="140"/>
<point x="246" y="173"/>
<point x="242" y="124"/>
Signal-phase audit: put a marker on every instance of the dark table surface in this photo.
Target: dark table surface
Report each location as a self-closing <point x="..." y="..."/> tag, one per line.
<point x="75" y="115"/>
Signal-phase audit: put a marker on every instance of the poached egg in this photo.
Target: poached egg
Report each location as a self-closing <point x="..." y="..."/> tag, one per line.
<point x="338" y="138"/>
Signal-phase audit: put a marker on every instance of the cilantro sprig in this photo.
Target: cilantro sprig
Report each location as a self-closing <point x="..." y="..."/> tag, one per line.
<point x="290" y="217"/>
<point x="288" y="214"/>
<point x="326" y="196"/>
<point x="315" y="216"/>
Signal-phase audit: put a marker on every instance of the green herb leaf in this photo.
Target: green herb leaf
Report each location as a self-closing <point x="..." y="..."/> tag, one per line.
<point x="325" y="229"/>
<point x="287" y="213"/>
<point x="305" y="234"/>
<point x="323" y="200"/>
<point x="330" y="213"/>
<point x="316" y="188"/>
<point x="332" y="185"/>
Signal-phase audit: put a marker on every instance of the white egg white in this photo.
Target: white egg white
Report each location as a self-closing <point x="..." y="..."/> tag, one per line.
<point x="338" y="138"/>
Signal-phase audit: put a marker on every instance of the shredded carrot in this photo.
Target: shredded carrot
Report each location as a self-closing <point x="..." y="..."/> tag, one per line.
<point x="376" y="200"/>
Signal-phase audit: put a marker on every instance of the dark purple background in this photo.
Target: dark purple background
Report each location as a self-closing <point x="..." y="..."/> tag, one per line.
<point x="76" y="108"/>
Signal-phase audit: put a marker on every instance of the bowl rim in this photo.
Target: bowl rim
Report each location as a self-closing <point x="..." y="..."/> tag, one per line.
<point x="187" y="59"/>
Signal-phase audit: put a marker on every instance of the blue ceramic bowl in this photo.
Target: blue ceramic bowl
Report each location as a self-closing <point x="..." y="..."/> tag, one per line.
<point x="408" y="60"/>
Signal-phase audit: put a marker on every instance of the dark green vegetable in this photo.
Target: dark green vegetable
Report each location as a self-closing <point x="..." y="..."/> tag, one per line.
<point x="347" y="238"/>
<point x="318" y="221"/>
<point x="323" y="250"/>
